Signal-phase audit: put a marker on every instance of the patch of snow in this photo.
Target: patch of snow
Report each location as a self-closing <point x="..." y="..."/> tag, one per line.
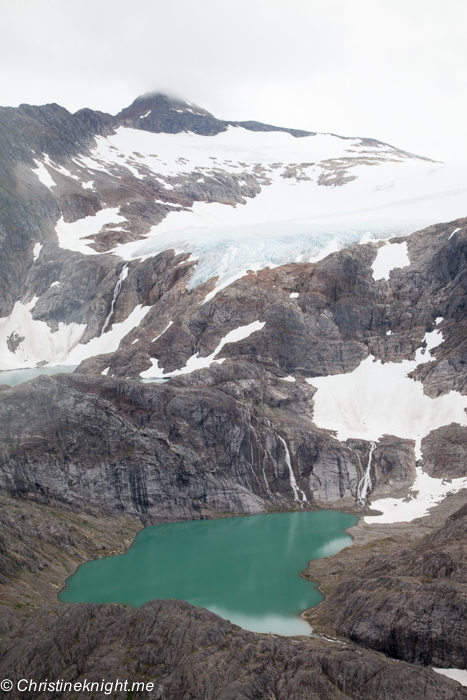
<point x="167" y="185"/>
<point x="37" y="250"/>
<point x="388" y="332"/>
<point x="106" y="370"/>
<point x="134" y="341"/>
<point x="63" y="346"/>
<point x="432" y="340"/>
<point x="195" y="362"/>
<point x="39" y="343"/>
<point x="331" y="247"/>
<point x="59" y="168"/>
<point x="110" y="341"/>
<point x="288" y="379"/>
<point x="425" y="493"/>
<point x="54" y="284"/>
<point x="388" y="258"/>
<point x="146" y="114"/>
<point x="170" y="323"/>
<point x="377" y="399"/>
<point x="294" y="295"/>
<point x="70" y="236"/>
<point x="456" y="674"/>
<point x="43" y="174"/>
<point x="452" y="234"/>
<point x="88" y="185"/>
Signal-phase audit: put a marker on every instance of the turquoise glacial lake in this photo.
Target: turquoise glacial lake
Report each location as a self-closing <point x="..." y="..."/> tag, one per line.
<point x="245" y="569"/>
<point x="13" y="377"/>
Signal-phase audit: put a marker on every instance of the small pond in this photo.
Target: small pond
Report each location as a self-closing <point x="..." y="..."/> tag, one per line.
<point x="245" y="569"/>
<point x="13" y="377"/>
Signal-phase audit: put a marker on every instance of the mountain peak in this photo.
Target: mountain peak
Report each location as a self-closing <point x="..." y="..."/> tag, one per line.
<point x="158" y="113"/>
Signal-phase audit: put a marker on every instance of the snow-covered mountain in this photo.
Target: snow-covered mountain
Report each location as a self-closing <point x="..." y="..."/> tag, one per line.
<point x="263" y="319"/>
<point x="90" y="191"/>
<point x="164" y="241"/>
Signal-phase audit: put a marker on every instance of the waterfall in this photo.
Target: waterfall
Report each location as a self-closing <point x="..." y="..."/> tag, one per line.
<point x="293" y="483"/>
<point x="121" y="278"/>
<point x="364" y="485"/>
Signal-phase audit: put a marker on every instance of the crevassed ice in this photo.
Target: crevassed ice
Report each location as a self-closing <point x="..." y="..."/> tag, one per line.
<point x="289" y="219"/>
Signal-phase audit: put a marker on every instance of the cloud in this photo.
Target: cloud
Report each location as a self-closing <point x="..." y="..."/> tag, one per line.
<point x="394" y="71"/>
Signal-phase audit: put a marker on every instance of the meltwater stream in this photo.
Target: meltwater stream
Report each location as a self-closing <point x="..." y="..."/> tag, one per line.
<point x="245" y="569"/>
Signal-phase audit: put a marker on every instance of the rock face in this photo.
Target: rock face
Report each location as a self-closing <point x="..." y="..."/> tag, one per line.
<point x="411" y="605"/>
<point x="214" y="442"/>
<point x="211" y="441"/>
<point x="339" y="316"/>
<point x="191" y="653"/>
<point x="236" y="437"/>
<point x="446" y="451"/>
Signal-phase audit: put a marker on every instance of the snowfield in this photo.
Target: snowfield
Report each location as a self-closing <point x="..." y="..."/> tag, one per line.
<point x="293" y="218"/>
<point x="379" y="399"/>
<point x="195" y="362"/>
<point x="62" y="347"/>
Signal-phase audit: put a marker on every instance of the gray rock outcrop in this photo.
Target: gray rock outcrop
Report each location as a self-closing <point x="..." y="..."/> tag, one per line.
<point x="190" y="653"/>
<point x="411" y="605"/>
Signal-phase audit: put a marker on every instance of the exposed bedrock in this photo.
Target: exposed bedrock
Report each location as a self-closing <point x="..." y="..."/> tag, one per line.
<point x="341" y="316"/>
<point x="73" y="288"/>
<point x="215" y="442"/>
<point x="191" y="653"/>
<point x="411" y="605"/>
<point x="445" y="452"/>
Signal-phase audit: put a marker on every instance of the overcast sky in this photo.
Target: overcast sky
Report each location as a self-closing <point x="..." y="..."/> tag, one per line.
<point x="394" y="70"/>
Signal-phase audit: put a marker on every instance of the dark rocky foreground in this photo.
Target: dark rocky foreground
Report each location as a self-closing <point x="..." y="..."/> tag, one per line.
<point x="40" y="546"/>
<point x="192" y="654"/>
<point x="409" y="601"/>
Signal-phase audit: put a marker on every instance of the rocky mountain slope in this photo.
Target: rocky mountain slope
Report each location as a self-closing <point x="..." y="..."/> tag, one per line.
<point x="220" y="438"/>
<point x="409" y="602"/>
<point x="261" y="319"/>
<point x="191" y="653"/>
<point x="88" y="199"/>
